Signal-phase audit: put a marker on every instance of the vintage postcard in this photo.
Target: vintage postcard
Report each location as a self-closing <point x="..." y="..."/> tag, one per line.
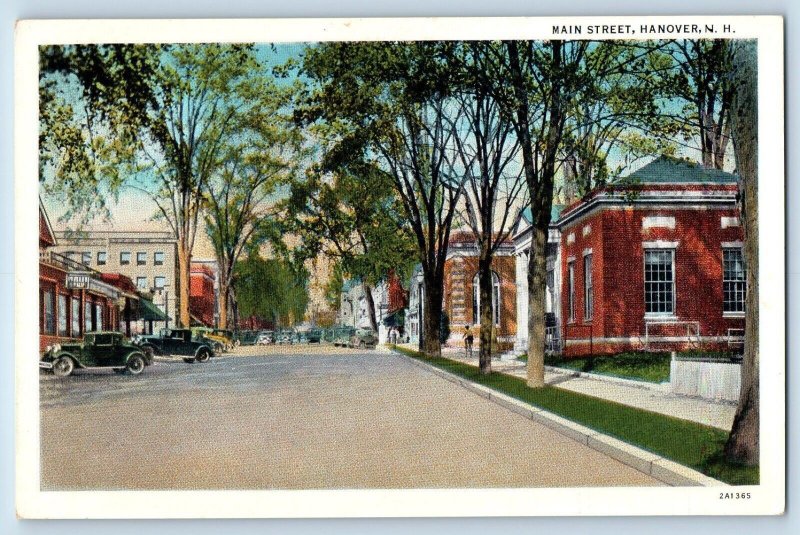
<point x="400" y="267"/>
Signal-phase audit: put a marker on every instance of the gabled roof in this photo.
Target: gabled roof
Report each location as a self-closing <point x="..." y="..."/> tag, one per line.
<point x="46" y="235"/>
<point x="669" y="170"/>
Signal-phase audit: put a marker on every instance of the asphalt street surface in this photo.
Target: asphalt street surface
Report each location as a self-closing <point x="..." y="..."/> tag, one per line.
<point x="300" y="417"/>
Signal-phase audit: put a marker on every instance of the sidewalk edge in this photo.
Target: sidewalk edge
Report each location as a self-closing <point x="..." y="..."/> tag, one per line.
<point x="659" y="468"/>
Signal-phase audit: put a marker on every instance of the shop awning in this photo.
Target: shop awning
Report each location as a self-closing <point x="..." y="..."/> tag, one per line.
<point x="148" y="311"/>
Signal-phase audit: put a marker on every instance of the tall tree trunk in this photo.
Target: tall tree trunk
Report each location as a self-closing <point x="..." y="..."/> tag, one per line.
<point x="224" y="301"/>
<point x="486" y="317"/>
<point x="432" y="315"/>
<point x="743" y="442"/>
<point x="184" y="276"/>
<point x="537" y="280"/>
<point x="373" y="322"/>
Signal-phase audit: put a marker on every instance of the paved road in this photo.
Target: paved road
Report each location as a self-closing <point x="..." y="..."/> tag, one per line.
<point x="298" y="419"/>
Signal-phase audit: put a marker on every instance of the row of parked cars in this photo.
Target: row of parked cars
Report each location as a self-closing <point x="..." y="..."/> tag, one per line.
<point x="338" y="336"/>
<point x="108" y="349"/>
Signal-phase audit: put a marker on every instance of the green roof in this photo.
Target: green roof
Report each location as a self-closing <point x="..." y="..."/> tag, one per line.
<point x="668" y="170"/>
<point x="555" y="212"/>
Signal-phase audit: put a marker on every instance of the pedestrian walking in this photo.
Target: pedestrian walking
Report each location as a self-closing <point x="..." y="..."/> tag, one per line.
<point x="468" y="338"/>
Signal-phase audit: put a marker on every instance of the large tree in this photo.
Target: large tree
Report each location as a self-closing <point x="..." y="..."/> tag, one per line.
<point x="743" y="442"/>
<point x="487" y="151"/>
<point x="242" y="194"/>
<point x="393" y="103"/>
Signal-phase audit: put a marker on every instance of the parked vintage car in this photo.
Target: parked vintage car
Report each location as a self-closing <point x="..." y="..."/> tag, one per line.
<point x="98" y="350"/>
<point x="219" y="342"/>
<point x="177" y="342"/>
<point x="314" y="336"/>
<point x="265" y="338"/>
<point x="246" y="338"/>
<point x="286" y="336"/>
<point x="341" y="335"/>
<point x="363" y="339"/>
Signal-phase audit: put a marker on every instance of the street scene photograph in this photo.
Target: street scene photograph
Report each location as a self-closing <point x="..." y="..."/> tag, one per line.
<point x="421" y="264"/>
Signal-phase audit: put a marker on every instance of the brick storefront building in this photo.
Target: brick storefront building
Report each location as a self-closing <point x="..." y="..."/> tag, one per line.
<point x="662" y="269"/>
<point x="202" y="293"/>
<point x="461" y="295"/>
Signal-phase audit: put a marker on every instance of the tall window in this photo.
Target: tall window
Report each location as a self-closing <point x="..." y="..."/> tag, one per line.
<point x="158" y="258"/>
<point x="98" y="314"/>
<point x="102" y="258"/>
<point x="76" y="317"/>
<point x="48" y="312"/>
<point x="476" y="299"/>
<point x="141" y="283"/>
<point x="159" y="282"/>
<point x="141" y="259"/>
<point x="86" y="258"/>
<point x="571" y="289"/>
<point x="588" y="298"/>
<point x="62" y="315"/>
<point x="125" y="258"/>
<point x="659" y="281"/>
<point x="734" y="282"/>
<point x="87" y="317"/>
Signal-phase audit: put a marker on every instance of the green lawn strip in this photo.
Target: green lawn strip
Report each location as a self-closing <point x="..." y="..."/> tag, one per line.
<point x="649" y="367"/>
<point x="685" y="442"/>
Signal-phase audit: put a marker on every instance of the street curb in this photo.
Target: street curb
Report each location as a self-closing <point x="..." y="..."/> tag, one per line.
<point x="659" y="468"/>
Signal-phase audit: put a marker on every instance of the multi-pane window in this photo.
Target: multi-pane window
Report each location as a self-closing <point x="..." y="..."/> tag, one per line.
<point x="98" y="314"/>
<point x="571" y="289"/>
<point x="62" y="315"/>
<point x="476" y="299"/>
<point x="141" y="283"/>
<point x="48" y="312"/>
<point x="125" y="258"/>
<point x="86" y="258"/>
<point x="76" y="317"/>
<point x="159" y="282"/>
<point x="87" y="317"/>
<point x="141" y="259"/>
<point x="659" y="281"/>
<point x="158" y="258"/>
<point x="588" y="298"/>
<point x="734" y="282"/>
<point x="102" y="258"/>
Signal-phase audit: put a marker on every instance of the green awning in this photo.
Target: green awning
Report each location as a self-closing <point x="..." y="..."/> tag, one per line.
<point x="148" y="311"/>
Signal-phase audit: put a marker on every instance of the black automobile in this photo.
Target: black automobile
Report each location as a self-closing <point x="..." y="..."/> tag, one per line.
<point x="314" y="336"/>
<point x="177" y="343"/>
<point x="100" y="349"/>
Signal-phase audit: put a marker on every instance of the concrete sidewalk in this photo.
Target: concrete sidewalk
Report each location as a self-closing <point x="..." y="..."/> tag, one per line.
<point x="643" y="396"/>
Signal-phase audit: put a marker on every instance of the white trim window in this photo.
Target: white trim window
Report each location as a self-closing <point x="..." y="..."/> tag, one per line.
<point x="734" y="280"/>
<point x="476" y="299"/>
<point x="659" y="282"/>
<point x="588" y="296"/>
<point x="571" y="290"/>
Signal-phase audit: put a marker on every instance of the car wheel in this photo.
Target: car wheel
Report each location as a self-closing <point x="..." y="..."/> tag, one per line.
<point x="63" y="366"/>
<point x="203" y="356"/>
<point x="188" y="360"/>
<point x="136" y="364"/>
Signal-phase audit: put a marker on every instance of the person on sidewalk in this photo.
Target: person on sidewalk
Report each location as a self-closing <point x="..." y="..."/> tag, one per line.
<point x="468" y="338"/>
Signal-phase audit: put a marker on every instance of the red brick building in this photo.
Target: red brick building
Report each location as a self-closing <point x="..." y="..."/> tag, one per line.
<point x="461" y="295"/>
<point x="73" y="300"/>
<point x="202" y="294"/>
<point x="659" y="269"/>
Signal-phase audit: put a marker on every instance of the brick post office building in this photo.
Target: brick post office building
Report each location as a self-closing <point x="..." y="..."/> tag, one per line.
<point x="654" y="265"/>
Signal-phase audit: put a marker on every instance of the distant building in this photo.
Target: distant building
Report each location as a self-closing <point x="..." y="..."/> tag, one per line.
<point x="149" y="259"/>
<point x="203" y="293"/>
<point x="354" y="307"/>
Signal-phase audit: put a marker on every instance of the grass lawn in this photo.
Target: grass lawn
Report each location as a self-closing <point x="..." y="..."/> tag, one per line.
<point x="639" y="366"/>
<point x="691" y="444"/>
